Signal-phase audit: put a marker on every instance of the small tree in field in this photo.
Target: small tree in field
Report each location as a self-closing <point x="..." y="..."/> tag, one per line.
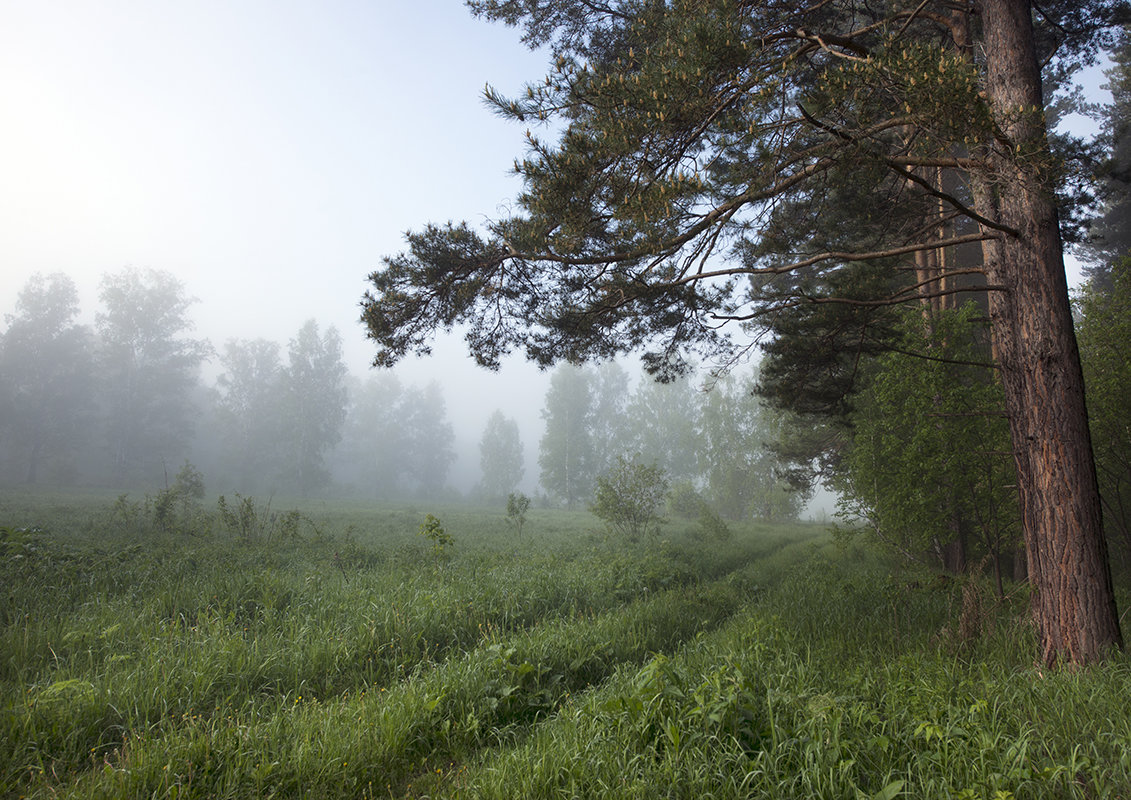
<point x="629" y="497"/>
<point x="186" y="493"/>
<point x="517" y="506"/>
<point x="442" y="541"/>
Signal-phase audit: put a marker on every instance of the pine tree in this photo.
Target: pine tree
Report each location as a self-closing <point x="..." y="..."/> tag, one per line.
<point x="689" y="128"/>
<point x="1111" y="233"/>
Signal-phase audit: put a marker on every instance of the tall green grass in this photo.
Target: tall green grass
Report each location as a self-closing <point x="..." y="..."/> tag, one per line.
<point x="352" y="662"/>
<point x="384" y="737"/>
<point x="809" y="693"/>
<point x="138" y="644"/>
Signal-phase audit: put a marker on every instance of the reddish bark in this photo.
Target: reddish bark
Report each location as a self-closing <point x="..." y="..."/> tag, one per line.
<point x="1034" y="340"/>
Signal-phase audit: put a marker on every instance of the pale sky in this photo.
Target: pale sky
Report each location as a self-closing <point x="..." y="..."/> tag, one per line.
<point x="266" y="152"/>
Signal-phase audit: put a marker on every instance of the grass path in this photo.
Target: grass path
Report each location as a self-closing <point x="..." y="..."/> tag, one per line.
<point x="802" y="695"/>
<point x="246" y="670"/>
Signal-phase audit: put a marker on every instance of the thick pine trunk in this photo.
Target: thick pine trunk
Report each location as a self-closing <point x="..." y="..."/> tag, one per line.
<point x="1035" y="344"/>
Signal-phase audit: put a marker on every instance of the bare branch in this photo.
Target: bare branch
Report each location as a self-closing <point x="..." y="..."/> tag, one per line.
<point x="875" y="254"/>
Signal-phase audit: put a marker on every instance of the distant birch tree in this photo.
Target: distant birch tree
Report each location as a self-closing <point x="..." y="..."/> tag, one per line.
<point x="566" y="452"/>
<point x="500" y="457"/>
<point x="148" y="369"/>
<point x="313" y="401"/>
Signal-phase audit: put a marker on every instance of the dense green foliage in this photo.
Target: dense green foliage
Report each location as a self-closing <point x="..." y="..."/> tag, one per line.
<point x="929" y="469"/>
<point x="1111" y="231"/>
<point x="339" y="662"/>
<point x="1104" y="333"/>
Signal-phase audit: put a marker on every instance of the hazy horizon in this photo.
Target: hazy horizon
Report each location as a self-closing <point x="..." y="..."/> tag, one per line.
<point x="266" y="154"/>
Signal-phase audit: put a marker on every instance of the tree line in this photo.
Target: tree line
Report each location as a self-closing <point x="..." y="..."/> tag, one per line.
<point x="713" y="439"/>
<point x="123" y="404"/>
<point x="909" y="420"/>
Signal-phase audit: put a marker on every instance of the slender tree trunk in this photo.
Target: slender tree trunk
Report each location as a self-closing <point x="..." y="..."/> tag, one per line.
<point x="1020" y="565"/>
<point x="954" y="551"/>
<point x="996" y="556"/>
<point x="1035" y="343"/>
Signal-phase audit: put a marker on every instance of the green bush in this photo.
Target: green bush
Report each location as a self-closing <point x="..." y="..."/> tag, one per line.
<point x="629" y="497"/>
<point x="685" y="501"/>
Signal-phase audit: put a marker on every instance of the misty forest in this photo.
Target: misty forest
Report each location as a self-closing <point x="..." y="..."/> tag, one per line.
<point x="829" y="494"/>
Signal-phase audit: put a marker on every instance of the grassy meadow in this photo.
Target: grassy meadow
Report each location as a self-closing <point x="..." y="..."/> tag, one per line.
<point x="333" y="652"/>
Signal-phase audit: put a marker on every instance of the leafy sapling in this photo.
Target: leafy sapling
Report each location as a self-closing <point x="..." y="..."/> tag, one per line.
<point x="517" y="506"/>
<point x="442" y="541"/>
